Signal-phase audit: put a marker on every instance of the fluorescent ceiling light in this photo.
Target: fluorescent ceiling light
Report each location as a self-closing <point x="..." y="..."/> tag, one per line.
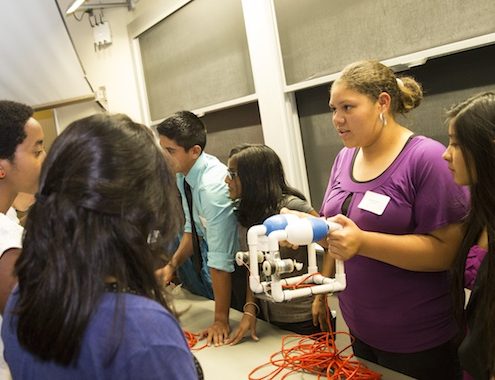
<point x="76" y="4"/>
<point x="81" y="4"/>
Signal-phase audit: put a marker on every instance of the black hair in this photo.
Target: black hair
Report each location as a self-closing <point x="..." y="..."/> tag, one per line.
<point x="263" y="183"/>
<point x="185" y="128"/>
<point x="473" y="122"/>
<point x="106" y="204"/>
<point x="13" y="118"/>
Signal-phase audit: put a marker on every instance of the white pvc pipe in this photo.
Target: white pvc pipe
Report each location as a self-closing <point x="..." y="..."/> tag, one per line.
<point x="258" y="241"/>
<point x="252" y="238"/>
<point x="273" y="239"/>
<point x="331" y="287"/>
<point x="254" y="283"/>
<point x="312" y="265"/>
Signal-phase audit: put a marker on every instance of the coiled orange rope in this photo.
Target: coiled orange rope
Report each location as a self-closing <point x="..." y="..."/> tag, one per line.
<point x="314" y="354"/>
<point x="192" y="340"/>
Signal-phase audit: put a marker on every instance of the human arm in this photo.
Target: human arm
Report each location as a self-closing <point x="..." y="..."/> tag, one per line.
<point x="419" y="227"/>
<point x="416" y="252"/>
<point x="10" y="249"/>
<point x="319" y="307"/>
<point x="185" y="247"/>
<point x="184" y="250"/>
<point x="248" y="320"/>
<point x="220" y="229"/>
<point x="7" y="276"/>
<point x="218" y="332"/>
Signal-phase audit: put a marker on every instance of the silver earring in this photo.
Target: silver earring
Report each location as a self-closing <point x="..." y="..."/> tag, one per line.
<point x="383" y="120"/>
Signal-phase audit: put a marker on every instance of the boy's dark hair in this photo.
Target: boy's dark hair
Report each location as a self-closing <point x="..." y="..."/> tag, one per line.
<point x="185" y="128"/>
<point x="13" y="118"/>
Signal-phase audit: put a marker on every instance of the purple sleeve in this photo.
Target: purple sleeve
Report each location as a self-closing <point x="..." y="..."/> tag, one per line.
<point x="475" y="257"/>
<point x="438" y="201"/>
<point x="336" y="168"/>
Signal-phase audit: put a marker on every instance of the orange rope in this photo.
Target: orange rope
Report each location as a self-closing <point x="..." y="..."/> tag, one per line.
<point x="192" y="340"/>
<point x="315" y="354"/>
<point x="301" y="283"/>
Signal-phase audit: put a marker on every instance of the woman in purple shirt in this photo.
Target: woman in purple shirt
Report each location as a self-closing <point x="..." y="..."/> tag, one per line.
<point x="400" y="210"/>
<point x="471" y="158"/>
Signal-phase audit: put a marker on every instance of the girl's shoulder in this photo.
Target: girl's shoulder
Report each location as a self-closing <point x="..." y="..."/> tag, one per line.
<point x="293" y="202"/>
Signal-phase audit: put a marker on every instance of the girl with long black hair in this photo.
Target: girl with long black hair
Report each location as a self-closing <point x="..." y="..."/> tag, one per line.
<point x="88" y="304"/>
<point x="471" y="158"/>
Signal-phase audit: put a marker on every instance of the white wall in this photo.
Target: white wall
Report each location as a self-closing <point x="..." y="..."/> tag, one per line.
<point x="65" y="115"/>
<point x="110" y="67"/>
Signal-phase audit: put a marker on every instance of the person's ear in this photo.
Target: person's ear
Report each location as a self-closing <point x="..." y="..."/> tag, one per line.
<point x="2" y="170"/>
<point x="196" y="150"/>
<point x="384" y="101"/>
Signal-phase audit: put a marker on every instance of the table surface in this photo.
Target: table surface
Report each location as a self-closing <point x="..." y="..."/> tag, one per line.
<point x="236" y="362"/>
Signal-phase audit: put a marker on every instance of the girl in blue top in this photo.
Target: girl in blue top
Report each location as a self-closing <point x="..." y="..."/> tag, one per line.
<point x="88" y="304"/>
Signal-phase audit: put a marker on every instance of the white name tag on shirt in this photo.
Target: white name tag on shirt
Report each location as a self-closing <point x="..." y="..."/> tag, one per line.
<point x="374" y="202"/>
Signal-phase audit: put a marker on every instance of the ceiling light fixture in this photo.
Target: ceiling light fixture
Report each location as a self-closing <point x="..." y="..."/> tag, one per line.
<point x="81" y="4"/>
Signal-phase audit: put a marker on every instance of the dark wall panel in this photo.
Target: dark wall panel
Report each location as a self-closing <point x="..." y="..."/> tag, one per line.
<point x="320" y="37"/>
<point x="196" y="57"/>
<point x="228" y="128"/>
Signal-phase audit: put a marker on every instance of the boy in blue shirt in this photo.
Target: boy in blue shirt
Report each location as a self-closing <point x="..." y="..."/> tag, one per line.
<point x="204" y="258"/>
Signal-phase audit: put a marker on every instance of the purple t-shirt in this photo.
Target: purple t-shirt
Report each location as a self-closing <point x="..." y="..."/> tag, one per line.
<point x="387" y="307"/>
<point x="474" y="259"/>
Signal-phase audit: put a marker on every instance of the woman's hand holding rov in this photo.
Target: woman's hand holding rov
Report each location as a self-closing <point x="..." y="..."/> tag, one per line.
<point x="345" y="243"/>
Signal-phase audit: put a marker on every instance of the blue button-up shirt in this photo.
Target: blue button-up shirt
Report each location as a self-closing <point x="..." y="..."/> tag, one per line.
<point x="213" y="212"/>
